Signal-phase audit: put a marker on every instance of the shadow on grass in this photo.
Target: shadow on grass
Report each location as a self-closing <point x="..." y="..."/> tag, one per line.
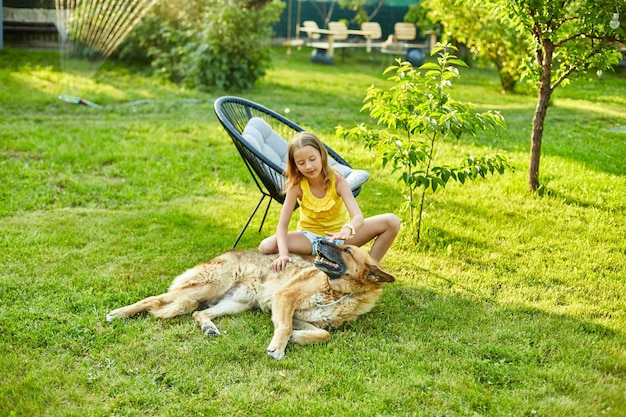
<point x="575" y="132"/>
<point x="418" y="345"/>
<point x="499" y="350"/>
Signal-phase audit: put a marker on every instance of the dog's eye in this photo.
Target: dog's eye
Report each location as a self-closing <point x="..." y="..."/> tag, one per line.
<point x="346" y="250"/>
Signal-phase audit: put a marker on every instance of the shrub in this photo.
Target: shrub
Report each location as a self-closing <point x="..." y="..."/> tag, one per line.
<point x="207" y="43"/>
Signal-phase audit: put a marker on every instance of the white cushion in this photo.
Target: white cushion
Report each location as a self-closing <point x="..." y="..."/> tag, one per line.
<point x="342" y="169"/>
<point x="355" y="177"/>
<point x="263" y="138"/>
<point x="253" y="137"/>
<point x="275" y="145"/>
<point x="270" y="154"/>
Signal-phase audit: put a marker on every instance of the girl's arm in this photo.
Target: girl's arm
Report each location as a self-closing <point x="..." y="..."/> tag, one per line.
<point x="357" y="220"/>
<point x="283" y="228"/>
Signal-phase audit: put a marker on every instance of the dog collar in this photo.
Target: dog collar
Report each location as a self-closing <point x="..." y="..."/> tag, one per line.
<point x="340" y="299"/>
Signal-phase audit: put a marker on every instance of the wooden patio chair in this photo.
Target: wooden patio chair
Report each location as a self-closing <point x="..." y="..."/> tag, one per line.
<point x="405" y="31"/>
<point x="375" y="31"/>
<point x="341" y="29"/>
<point x="260" y="135"/>
<point x="312" y="25"/>
<point x="374" y="38"/>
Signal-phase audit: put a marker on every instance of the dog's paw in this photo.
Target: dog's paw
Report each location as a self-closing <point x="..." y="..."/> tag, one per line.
<point x="277" y="354"/>
<point x="209" y="329"/>
<point x="111" y="316"/>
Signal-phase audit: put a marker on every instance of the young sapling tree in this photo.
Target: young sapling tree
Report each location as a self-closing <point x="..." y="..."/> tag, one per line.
<point x="419" y="112"/>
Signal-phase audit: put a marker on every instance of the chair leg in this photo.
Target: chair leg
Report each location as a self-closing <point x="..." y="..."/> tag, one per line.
<point x="250" y="219"/>
<point x="265" y="215"/>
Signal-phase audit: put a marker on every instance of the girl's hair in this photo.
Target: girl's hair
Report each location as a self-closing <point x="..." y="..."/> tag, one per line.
<point x="299" y="141"/>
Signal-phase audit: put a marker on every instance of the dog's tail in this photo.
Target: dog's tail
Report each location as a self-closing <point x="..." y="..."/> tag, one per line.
<point x="178" y="307"/>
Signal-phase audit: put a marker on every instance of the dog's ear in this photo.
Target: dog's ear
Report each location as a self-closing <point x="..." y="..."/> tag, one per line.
<point x="376" y="273"/>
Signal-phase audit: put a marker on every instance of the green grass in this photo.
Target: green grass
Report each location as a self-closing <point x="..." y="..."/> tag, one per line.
<point x="512" y="305"/>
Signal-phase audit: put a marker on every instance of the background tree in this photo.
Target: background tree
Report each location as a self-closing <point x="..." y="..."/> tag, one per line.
<point x="359" y="7"/>
<point x="569" y="37"/>
<point x="361" y="14"/>
<point x="477" y="26"/>
<point x="206" y="43"/>
<point x="547" y="42"/>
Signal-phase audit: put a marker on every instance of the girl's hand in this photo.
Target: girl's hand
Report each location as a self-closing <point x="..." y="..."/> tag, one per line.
<point x="281" y="263"/>
<point x="340" y="235"/>
<point x="347" y="232"/>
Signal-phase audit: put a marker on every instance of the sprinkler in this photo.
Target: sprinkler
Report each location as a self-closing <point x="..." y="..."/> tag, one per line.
<point x="79" y="100"/>
<point x="89" y="31"/>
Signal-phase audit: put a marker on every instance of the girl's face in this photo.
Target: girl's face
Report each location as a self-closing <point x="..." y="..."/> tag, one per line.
<point x="308" y="161"/>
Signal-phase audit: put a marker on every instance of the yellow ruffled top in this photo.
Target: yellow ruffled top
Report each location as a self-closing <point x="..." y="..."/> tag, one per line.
<point x="320" y="215"/>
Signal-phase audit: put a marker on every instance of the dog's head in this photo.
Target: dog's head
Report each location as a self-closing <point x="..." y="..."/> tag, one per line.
<point x="347" y="261"/>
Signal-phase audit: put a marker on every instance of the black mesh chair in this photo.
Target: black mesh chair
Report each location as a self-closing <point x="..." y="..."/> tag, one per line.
<point x="235" y="113"/>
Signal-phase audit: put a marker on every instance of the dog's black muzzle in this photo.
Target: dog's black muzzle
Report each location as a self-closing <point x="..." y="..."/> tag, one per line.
<point x="329" y="259"/>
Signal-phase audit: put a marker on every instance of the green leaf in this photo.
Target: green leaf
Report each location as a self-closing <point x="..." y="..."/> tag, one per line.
<point x="453" y="70"/>
<point x="459" y="62"/>
<point x="430" y="66"/>
<point x="433" y="184"/>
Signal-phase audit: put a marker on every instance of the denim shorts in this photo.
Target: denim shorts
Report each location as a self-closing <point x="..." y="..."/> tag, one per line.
<point x="313" y="238"/>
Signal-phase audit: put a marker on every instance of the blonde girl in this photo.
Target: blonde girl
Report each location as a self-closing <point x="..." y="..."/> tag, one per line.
<point x="328" y="209"/>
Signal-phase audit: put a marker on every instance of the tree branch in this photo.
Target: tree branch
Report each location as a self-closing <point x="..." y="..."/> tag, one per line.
<point x="574" y="36"/>
<point x="376" y="10"/>
<point x="563" y="76"/>
<point x="573" y="68"/>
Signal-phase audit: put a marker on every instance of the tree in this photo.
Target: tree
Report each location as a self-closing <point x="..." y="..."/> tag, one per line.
<point x="548" y="42"/>
<point x="420" y="112"/>
<point x="207" y="43"/>
<point x="569" y="37"/>
<point x="358" y="7"/>
<point x="476" y="24"/>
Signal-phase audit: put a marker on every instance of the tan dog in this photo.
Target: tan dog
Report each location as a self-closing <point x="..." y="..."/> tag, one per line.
<point x="343" y="283"/>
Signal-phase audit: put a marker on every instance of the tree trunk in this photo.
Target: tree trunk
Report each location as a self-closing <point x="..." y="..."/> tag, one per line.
<point x="543" y="101"/>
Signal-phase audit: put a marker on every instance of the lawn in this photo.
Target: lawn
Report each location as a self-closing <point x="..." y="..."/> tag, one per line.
<point x="513" y="304"/>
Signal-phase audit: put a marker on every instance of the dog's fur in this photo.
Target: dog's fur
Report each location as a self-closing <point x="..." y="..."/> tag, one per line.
<point x="343" y="283"/>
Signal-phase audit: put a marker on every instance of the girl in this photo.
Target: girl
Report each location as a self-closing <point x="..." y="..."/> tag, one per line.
<point x="328" y="209"/>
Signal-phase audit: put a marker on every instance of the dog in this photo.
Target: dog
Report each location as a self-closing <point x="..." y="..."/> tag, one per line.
<point x="342" y="283"/>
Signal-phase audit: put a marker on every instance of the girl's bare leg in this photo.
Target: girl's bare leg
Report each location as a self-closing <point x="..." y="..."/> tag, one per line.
<point x="297" y="243"/>
<point x="383" y="227"/>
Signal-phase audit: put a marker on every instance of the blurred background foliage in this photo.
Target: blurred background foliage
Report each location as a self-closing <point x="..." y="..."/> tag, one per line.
<point x="206" y="43"/>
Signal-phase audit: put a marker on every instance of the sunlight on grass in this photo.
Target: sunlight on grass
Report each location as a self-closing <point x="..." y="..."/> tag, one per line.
<point x="587" y="106"/>
<point x="511" y="305"/>
<point x="44" y="79"/>
<point x="48" y="81"/>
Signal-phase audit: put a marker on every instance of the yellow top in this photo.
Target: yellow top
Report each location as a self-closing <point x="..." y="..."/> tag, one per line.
<point x="326" y="214"/>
